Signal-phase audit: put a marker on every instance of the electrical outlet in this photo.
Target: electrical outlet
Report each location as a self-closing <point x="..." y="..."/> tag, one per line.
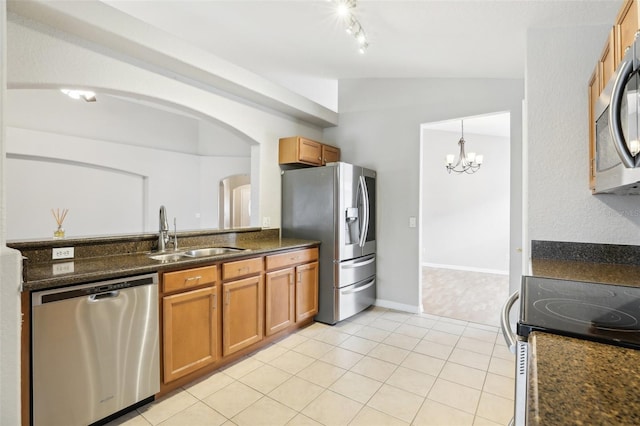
<point x="412" y="221"/>
<point x="62" y="253"/>
<point x="266" y="222"/>
<point x="62" y="268"/>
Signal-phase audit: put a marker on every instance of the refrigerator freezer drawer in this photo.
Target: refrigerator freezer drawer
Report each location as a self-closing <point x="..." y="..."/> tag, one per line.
<point x="355" y="298"/>
<point x="355" y="270"/>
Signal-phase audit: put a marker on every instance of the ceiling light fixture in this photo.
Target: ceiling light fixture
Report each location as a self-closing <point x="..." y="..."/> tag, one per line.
<point x="467" y="163"/>
<point x="344" y="9"/>
<point x="87" y="95"/>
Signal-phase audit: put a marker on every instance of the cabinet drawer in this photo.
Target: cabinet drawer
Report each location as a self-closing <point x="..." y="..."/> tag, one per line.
<point x="172" y="281"/>
<point x="283" y="260"/>
<point x="241" y="268"/>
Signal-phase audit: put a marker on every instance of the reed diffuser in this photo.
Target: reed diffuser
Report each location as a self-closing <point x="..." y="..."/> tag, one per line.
<point x="59" y="216"/>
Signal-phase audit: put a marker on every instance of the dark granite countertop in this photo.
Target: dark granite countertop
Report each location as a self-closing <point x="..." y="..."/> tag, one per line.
<point x="105" y="264"/>
<point x="608" y="273"/>
<point x="578" y="382"/>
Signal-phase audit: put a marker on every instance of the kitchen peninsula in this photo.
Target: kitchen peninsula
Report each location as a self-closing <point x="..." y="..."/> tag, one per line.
<point x="212" y="309"/>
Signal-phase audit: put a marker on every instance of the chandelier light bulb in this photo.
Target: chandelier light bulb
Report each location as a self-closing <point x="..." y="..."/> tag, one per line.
<point x="362" y="39"/>
<point x="342" y="9"/>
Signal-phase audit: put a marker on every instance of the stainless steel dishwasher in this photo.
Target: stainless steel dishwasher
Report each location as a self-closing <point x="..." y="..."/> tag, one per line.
<point x="95" y="349"/>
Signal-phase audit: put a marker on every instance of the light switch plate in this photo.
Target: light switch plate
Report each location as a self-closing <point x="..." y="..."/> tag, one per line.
<point x="266" y="221"/>
<point x="412" y="222"/>
<point x="62" y="253"/>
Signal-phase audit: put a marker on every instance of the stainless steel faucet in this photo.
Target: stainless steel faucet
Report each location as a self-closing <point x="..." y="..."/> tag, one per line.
<point x="163" y="236"/>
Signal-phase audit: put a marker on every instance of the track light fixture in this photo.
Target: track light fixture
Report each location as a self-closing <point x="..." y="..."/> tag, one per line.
<point x="344" y="9"/>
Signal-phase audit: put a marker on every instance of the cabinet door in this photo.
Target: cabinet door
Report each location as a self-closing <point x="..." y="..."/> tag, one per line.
<point x="306" y="291"/>
<point x="627" y="26"/>
<point x="309" y="151"/>
<point x="330" y="154"/>
<point x="280" y="300"/>
<point x="242" y="314"/>
<point x="190" y="331"/>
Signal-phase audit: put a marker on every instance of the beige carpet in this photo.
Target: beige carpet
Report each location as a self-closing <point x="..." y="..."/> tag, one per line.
<point x="463" y="295"/>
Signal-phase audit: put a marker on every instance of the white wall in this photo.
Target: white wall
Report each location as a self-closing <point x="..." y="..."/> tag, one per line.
<point x="380" y="128"/>
<point x="48" y="59"/>
<point x="112" y="162"/>
<point x="560" y="204"/>
<point x="465" y="217"/>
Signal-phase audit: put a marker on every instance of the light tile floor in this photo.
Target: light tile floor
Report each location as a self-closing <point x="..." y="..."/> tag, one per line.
<point x="464" y="295"/>
<point x="380" y="367"/>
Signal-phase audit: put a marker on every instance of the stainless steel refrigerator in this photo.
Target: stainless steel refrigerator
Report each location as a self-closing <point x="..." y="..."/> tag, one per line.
<point x="336" y="204"/>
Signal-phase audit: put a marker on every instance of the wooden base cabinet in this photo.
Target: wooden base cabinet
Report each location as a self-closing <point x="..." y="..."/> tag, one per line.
<point x="279" y="300"/>
<point x="242" y="314"/>
<point x="291" y="289"/>
<point x="306" y="291"/>
<point x="190" y="322"/>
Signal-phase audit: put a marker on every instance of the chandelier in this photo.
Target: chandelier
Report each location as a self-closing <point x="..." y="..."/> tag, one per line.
<point x="467" y="163"/>
<point x="344" y="9"/>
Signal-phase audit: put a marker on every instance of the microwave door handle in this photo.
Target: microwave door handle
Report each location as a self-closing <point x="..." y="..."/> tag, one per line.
<point x="362" y="185"/>
<point x="615" y="126"/>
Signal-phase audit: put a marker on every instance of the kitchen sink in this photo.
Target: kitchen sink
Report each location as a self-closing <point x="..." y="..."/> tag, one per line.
<point x="167" y="257"/>
<point x="203" y="252"/>
<point x="211" y="251"/>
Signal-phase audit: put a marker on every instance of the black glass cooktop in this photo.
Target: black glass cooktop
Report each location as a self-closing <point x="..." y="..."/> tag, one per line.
<point x="599" y="312"/>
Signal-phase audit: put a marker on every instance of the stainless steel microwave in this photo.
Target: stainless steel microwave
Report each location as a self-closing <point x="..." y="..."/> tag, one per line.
<point x="617" y="112"/>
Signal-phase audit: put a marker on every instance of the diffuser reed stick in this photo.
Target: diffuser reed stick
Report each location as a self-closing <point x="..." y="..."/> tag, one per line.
<point x="59" y="217"/>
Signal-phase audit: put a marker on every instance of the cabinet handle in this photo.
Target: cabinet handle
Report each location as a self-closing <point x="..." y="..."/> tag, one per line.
<point x="294" y="258"/>
<point x="215" y="301"/>
<point x="290" y="279"/>
<point x="196" y="278"/>
<point x="299" y="277"/>
<point x="228" y="301"/>
<point x="244" y="269"/>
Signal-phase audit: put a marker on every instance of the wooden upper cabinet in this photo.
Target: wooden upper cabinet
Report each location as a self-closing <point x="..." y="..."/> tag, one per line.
<point x="609" y="60"/>
<point x="626" y="27"/>
<point x="299" y="150"/>
<point x="330" y="154"/>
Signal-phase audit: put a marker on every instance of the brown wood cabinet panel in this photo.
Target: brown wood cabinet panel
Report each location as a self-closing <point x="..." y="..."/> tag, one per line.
<point x="181" y="280"/>
<point x="626" y="27"/>
<point x="594" y="93"/>
<point x="608" y="61"/>
<point x="241" y="268"/>
<point x="306" y="291"/>
<point x="190" y="331"/>
<point x="330" y="154"/>
<point x="296" y="149"/>
<point x="279" y="300"/>
<point x="242" y="314"/>
<point x="291" y="258"/>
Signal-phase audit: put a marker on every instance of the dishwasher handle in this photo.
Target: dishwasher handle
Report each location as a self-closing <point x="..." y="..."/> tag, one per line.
<point x="507" y="332"/>
<point x="107" y="295"/>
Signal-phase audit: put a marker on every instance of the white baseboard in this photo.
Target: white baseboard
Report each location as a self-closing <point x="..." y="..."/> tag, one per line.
<point x="398" y="306"/>
<point x="466" y="268"/>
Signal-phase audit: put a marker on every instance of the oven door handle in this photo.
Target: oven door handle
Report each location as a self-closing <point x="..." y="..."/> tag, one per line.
<point x="615" y="126"/>
<point x="507" y="332"/>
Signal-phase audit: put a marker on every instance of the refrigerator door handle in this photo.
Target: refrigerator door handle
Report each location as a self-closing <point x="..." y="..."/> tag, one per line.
<point x="362" y="185"/>
<point x="358" y="264"/>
